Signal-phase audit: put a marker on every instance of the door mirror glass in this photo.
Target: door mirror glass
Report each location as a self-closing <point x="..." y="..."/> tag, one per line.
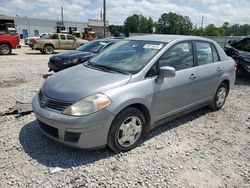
<point x="167" y="72"/>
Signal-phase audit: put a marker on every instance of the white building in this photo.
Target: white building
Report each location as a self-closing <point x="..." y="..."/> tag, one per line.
<point x="28" y="27"/>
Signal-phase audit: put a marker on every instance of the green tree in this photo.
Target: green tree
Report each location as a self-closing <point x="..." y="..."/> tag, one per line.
<point x="138" y="24"/>
<point x="173" y="23"/>
<point x="211" y="30"/>
<point x="115" y="30"/>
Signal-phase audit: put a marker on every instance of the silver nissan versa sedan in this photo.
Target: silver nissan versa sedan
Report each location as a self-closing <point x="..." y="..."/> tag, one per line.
<point x="131" y="87"/>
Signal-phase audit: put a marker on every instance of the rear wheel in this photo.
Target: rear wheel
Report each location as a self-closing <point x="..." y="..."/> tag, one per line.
<point x="220" y="97"/>
<point x="5" y="49"/>
<point x="126" y="130"/>
<point x="48" y="49"/>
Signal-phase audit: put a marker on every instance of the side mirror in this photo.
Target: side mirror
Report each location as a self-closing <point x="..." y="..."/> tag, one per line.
<point x="167" y="72"/>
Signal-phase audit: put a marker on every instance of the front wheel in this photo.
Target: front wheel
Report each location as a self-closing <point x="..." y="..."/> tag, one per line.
<point x="48" y="49"/>
<point x="5" y="49"/>
<point x="126" y="130"/>
<point x="220" y="97"/>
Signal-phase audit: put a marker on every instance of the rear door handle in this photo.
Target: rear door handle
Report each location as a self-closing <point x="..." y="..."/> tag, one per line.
<point x="192" y="76"/>
<point x="219" y="69"/>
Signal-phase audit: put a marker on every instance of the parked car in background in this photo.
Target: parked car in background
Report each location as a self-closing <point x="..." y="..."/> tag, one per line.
<point x="131" y="87"/>
<point x="239" y="50"/>
<point x="83" y="53"/>
<point x="57" y="41"/>
<point x="8" y="42"/>
<point x="29" y="41"/>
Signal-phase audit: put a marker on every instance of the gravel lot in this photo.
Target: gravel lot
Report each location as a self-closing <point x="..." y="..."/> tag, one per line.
<point x="201" y="149"/>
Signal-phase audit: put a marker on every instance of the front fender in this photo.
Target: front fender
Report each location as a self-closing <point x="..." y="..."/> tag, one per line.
<point x="132" y="93"/>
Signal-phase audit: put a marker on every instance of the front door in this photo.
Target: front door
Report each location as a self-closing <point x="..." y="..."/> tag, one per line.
<point x="176" y="94"/>
<point x="63" y="42"/>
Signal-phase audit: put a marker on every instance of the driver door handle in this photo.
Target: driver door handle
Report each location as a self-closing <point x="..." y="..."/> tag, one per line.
<point x="192" y="76"/>
<point x="219" y="69"/>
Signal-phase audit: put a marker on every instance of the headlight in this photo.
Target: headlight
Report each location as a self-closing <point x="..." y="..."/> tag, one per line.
<point x="71" y="61"/>
<point x="88" y="105"/>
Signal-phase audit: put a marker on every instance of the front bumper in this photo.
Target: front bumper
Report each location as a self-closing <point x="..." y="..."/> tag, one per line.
<point x="57" y="66"/>
<point x="81" y="132"/>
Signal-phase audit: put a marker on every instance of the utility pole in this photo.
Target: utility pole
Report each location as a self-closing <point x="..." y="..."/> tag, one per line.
<point x="104" y="18"/>
<point x="62" y="14"/>
<point x="202" y="19"/>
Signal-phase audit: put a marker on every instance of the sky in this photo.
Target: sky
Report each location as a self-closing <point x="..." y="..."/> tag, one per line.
<point x="213" y="11"/>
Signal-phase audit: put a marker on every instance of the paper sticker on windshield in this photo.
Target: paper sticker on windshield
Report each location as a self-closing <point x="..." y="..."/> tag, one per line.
<point x="153" y="46"/>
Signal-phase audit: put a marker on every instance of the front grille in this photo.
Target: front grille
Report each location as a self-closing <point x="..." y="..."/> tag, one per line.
<point x="49" y="103"/>
<point x="48" y="129"/>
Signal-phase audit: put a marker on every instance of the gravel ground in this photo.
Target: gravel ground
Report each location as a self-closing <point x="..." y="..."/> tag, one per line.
<point x="201" y="149"/>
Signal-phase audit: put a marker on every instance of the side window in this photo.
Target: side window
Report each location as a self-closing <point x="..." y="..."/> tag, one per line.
<point x="62" y="37"/>
<point x="54" y="36"/>
<point x="179" y="56"/>
<point x="215" y="54"/>
<point x="152" y="71"/>
<point x="69" y="37"/>
<point x="204" y="53"/>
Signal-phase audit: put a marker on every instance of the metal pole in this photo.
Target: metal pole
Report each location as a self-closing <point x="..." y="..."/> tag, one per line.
<point x="202" y="19"/>
<point x="62" y="14"/>
<point x="104" y="18"/>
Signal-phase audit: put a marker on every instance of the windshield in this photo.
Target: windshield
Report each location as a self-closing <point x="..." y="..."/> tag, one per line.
<point x="128" y="56"/>
<point x="93" y="46"/>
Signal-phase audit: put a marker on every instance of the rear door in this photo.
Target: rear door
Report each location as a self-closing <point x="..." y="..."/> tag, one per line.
<point x="180" y="92"/>
<point x="209" y="69"/>
<point x="71" y="42"/>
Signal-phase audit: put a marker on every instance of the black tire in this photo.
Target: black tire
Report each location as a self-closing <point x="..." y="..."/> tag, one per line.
<point x="5" y="49"/>
<point x="115" y="132"/>
<point x="48" y="49"/>
<point x="217" y="103"/>
<point x="42" y="51"/>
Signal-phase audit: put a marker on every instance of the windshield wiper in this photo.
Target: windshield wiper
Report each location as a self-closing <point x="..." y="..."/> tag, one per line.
<point x="105" y="68"/>
<point x="111" y="69"/>
<point x="118" y="70"/>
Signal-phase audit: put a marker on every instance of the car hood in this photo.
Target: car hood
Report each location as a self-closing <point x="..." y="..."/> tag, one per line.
<point x="72" y="54"/>
<point x="78" y="82"/>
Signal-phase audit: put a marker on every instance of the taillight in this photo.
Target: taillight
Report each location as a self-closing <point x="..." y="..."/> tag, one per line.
<point x="235" y="66"/>
<point x="33" y="41"/>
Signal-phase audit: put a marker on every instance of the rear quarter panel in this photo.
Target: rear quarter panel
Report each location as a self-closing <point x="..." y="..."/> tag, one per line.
<point x="13" y="41"/>
<point x="228" y="66"/>
<point x="229" y="72"/>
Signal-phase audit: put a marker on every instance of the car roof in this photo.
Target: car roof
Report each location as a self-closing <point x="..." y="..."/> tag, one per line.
<point x="106" y="40"/>
<point x="166" y="38"/>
